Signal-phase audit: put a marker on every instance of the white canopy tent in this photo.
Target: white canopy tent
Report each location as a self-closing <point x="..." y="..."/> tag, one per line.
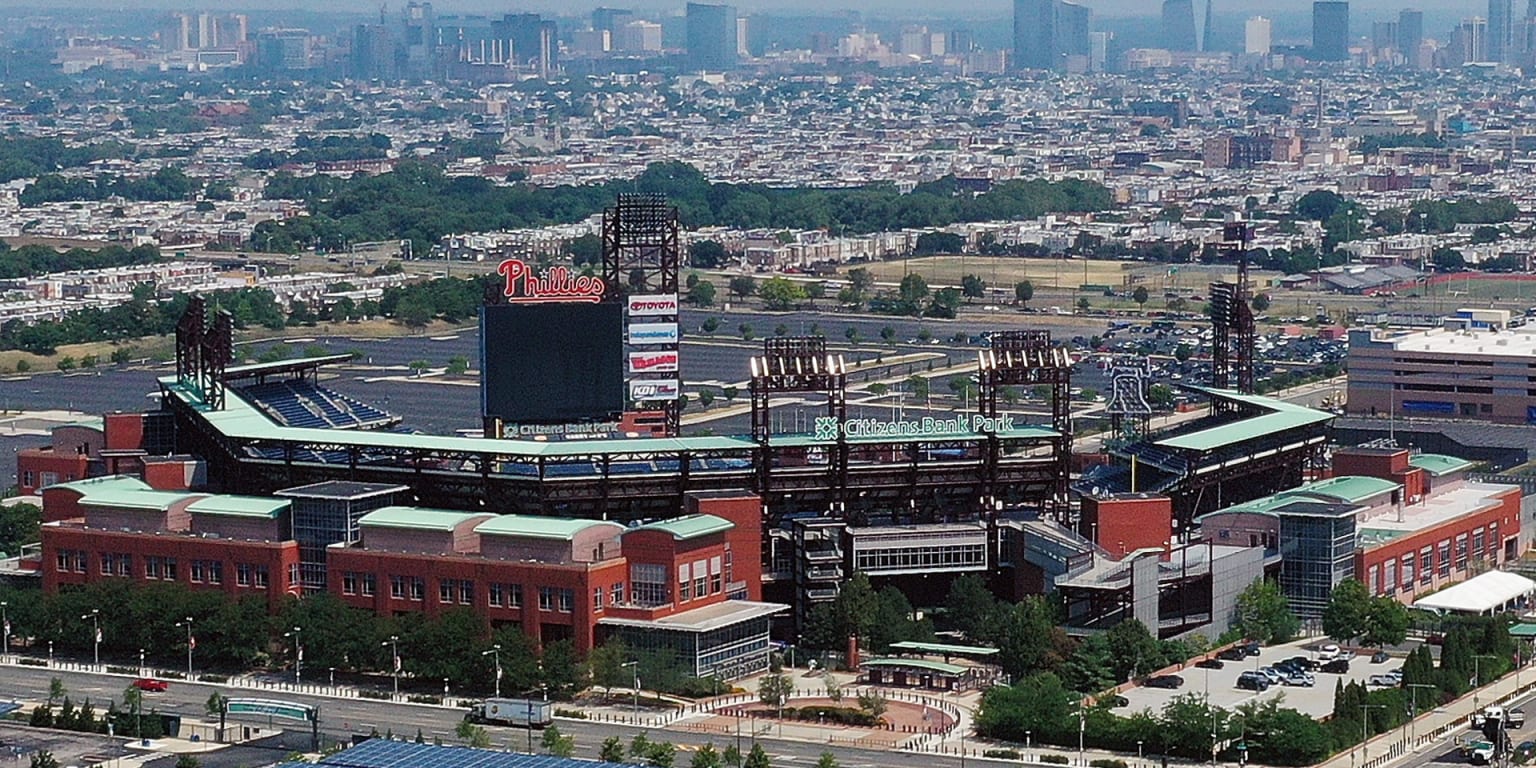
<point x="1482" y="594"/>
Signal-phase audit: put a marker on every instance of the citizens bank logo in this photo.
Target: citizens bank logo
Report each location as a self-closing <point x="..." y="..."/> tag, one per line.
<point x="828" y="427"/>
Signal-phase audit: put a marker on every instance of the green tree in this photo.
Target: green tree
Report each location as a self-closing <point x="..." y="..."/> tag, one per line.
<point x="827" y="760"/>
<point x="851" y="333"/>
<point x="66" y="363"/>
<point x="742" y="286"/>
<point x="457" y="365"/>
<point x="1082" y="304"/>
<point x="215" y="703"/>
<point x="774" y="690"/>
<point x="873" y="703"/>
<point x="1140" y="296"/>
<point x="919" y="386"/>
<point x="911" y="293"/>
<point x="706" y="757"/>
<point x="1160" y="396"/>
<point x="973" y="287"/>
<point x="606" y="663"/>
<point x="1263" y="614"/>
<point x="745" y="329"/>
<point x="731" y="756"/>
<point x="556" y="743"/>
<point x="756" y="758"/>
<point x="187" y="761"/>
<point x="661" y="755"/>
<point x="702" y="294"/>
<point x="706" y="254"/>
<point x="710" y="325"/>
<point x="1485" y="234"/>
<point x="43" y="759"/>
<point x="612" y="750"/>
<point x="586" y="249"/>
<point x="1023" y="291"/>
<point x="639" y="747"/>
<point x="970" y="608"/>
<point x="1387" y="622"/>
<point x="414" y="312"/>
<point x="780" y="294"/>
<point x="1133" y="650"/>
<point x="1319" y="205"/>
<point x="1347" y="614"/>
<point x="1261" y="303"/>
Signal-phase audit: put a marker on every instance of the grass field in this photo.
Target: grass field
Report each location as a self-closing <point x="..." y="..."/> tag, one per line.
<point x="1058" y="274"/>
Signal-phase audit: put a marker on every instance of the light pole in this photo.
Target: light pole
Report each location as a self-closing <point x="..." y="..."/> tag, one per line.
<point x="495" y="654"/>
<point x="5" y="623"/>
<point x="1139" y="758"/>
<point x="636" y="665"/>
<point x="191" y="643"/>
<point x="95" y="617"/>
<point x="141" y="662"/>
<point x="1477" y="676"/>
<point x="394" y="652"/>
<point x="1082" y="727"/>
<point x="333" y="677"/>
<point x="1413" y="693"/>
<point x="298" y="655"/>
<point x="1365" y="732"/>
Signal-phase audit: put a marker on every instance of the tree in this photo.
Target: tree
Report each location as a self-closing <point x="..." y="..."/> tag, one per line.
<point x="1133" y="651"/>
<point x="606" y="665"/>
<point x="756" y="758"/>
<point x="56" y="690"/>
<point x="1319" y="205"/>
<point x="1160" y="396"/>
<point x="731" y="756"/>
<point x="1023" y="291"/>
<point x="214" y="704"/>
<point x="1485" y="234"/>
<point x="187" y="761"/>
<point x="556" y="743"/>
<point x="710" y="325"/>
<point x="1183" y="352"/>
<point x="911" y="293"/>
<point x="706" y="757"/>
<point x="779" y="294"/>
<point x="1082" y="304"/>
<point x="1140" y="296"/>
<point x="851" y="333"/>
<point x="639" y="747"/>
<point x="774" y="690"/>
<point x="43" y="759"/>
<point x="661" y="755"/>
<point x="706" y="254"/>
<point x="702" y="294"/>
<point x="612" y="750"/>
<point x="879" y="389"/>
<point x="937" y="242"/>
<point x="873" y="703"/>
<point x="860" y="281"/>
<point x="827" y="760"/>
<point x="1261" y="303"/>
<point x="1387" y="622"/>
<point x="919" y="386"/>
<point x="888" y="334"/>
<point x="742" y="286"/>
<point x="973" y="287"/>
<point x="1444" y="260"/>
<point x="414" y="311"/>
<point x="66" y="363"/>
<point x="457" y="365"/>
<point x="1347" y="614"/>
<point x="745" y="329"/>
<point x="1264" y="615"/>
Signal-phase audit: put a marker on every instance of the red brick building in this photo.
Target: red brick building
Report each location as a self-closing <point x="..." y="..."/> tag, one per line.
<point x="120" y="528"/>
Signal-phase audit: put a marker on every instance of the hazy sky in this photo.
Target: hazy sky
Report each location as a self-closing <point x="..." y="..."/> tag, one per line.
<point x="946" y="8"/>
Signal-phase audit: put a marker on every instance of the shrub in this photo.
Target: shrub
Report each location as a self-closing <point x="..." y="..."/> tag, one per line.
<point x="424" y="699"/>
<point x="32" y="662"/>
<point x="574" y="714"/>
<point x="216" y="679"/>
<point x="370" y="694"/>
<point x="123" y="670"/>
<point x="169" y="675"/>
<point x="1004" y="754"/>
<point x="1055" y="759"/>
<point x="1105" y="762"/>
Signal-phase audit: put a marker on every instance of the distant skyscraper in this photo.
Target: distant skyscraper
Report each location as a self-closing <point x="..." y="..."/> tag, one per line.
<point x="1501" y="30"/>
<point x="1179" y="25"/>
<point x="1330" y="30"/>
<point x="1257" y="36"/>
<point x="1045" y="32"/>
<point x="419" y="39"/>
<point x="373" y="52"/>
<point x="1410" y="33"/>
<point x="530" y="42"/>
<point x="711" y="36"/>
<point x="610" y="19"/>
<point x="1471" y="40"/>
<point x="1208" y="33"/>
<point x="1383" y="35"/>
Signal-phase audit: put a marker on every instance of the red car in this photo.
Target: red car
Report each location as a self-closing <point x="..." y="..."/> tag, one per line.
<point x="151" y="685"/>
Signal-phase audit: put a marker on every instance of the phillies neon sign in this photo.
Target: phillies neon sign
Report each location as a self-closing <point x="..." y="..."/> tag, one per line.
<point x="558" y="284"/>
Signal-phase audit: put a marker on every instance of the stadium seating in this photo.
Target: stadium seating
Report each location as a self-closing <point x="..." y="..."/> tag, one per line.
<point x="299" y="403"/>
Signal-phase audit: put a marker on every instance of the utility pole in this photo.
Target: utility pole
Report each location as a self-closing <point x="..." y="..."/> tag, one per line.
<point x="1413" y="693"/>
<point x="1365" y="732"/>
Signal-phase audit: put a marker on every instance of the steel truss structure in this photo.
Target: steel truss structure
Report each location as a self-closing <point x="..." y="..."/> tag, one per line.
<point x="1028" y="358"/>
<point x="1233" y="329"/>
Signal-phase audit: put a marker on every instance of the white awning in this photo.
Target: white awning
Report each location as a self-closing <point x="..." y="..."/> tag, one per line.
<point x="1479" y="594"/>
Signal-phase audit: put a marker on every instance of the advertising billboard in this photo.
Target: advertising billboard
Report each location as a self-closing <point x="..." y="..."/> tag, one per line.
<point x="653" y="333"/>
<point x="661" y="361"/>
<point x="557" y="285"/>
<point x="663" y="305"/>
<point x="552" y="362"/>
<point x="654" y="390"/>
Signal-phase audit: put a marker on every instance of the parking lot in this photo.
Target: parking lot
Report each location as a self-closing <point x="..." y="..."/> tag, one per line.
<point x="18" y="743"/>
<point x="1315" y="701"/>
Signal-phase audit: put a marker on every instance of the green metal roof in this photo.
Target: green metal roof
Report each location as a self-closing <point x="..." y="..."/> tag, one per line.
<point x="810" y="441"/>
<point x="952" y="650"/>
<point x="417" y="518"/>
<point x="89" y="422"/>
<point x="690" y="526"/>
<point x="104" y="484"/>
<point x="1437" y="464"/>
<point x="256" y="369"/>
<point x="537" y="527"/>
<point x="1348" y="488"/>
<point x="1282" y="416"/>
<point x="1523" y="630"/>
<point x="240" y="506"/>
<point x="932" y="666"/>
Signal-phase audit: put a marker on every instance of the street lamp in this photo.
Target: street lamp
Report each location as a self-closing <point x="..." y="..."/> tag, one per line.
<point x="495" y="654"/>
<point x="1477" y="675"/>
<point x="95" y="617"/>
<point x="5" y="623"/>
<point x="1365" y="725"/>
<point x="298" y="655"/>
<point x="141" y="662"/>
<point x="636" y="665"/>
<point x="1413" y="693"/>
<point x="191" y="643"/>
<point x="1082" y="727"/>
<point x="394" y="651"/>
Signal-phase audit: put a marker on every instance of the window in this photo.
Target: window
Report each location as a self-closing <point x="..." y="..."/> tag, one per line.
<point x="349" y="583"/>
<point x="495" y="595"/>
<point x="1390" y="573"/>
<point x="715" y="585"/>
<point x="124" y="564"/>
<point x="684" y="583"/>
<point x="106" y="564"/>
<point x="243" y="574"/>
<point x="730" y="571"/>
<point x="293" y="575"/>
<point x="1407" y="569"/>
<point x="616" y="595"/>
<point x="1461" y="552"/>
<point x="63" y="560"/>
<point x="29" y="479"/>
<point x="648" y="586"/>
<point x="597" y="599"/>
<point x="50" y="478"/>
<point x="397" y="587"/>
<point x="466" y="592"/>
<point x="195" y="573"/>
<point x="546" y="598"/>
<point x="418" y="589"/>
<point x="1374" y="580"/>
<point x="1426" y="565"/>
<point x="370" y="584"/>
<point x="263" y="577"/>
<point x="567" y="600"/>
<point x="700" y="578"/>
<point x="1444" y="562"/>
<point x="151" y="567"/>
<point x="514" y="595"/>
<point x="1477" y="542"/>
<point x="215" y="572"/>
<point x="170" y="569"/>
<point x="445" y="591"/>
<point x="80" y="561"/>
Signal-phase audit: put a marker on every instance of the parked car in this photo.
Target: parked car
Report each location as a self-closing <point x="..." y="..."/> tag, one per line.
<point x="1252" y="681"/>
<point x="1516" y="718"/>
<point x="1164" y="681"/>
<point x="1389" y="681"/>
<point x="1300" y="679"/>
<point x="1328" y="652"/>
<point x="1337" y="666"/>
<point x="1303" y="663"/>
<point x="1251" y="648"/>
<point x="1379" y="657"/>
<point x="1210" y="664"/>
<point x="1271" y="674"/>
<point x="151" y="685"/>
<point x="1235" y="653"/>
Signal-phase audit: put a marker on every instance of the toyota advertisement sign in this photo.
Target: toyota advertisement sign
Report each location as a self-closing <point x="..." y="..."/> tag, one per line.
<point x="665" y="305"/>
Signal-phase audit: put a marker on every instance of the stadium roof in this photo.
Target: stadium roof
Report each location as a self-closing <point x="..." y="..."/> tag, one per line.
<point x="417" y="518"/>
<point x="933" y="666"/>
<point x="1437" y="464"/>
<point x="240" y="506"/>
<point x="690" y="526"/>
<point x="940" y="648"/>
<point x="282" y="366"/>
<point x="1281" y="416"/>
<point x="1479" y="594"/>
<point x="805" y="441"/>
<point x="385" y="753"/>
<point x="532" y="527"/>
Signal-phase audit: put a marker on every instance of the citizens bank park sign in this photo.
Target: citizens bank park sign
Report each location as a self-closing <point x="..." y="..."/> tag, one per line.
<point x="557" y="285"/>
<point x="653" y="362"/>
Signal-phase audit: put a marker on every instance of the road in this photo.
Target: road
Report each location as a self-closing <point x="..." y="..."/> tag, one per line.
<point x="343" y="716"/>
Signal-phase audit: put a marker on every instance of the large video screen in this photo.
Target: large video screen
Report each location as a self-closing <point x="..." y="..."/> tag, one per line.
<point x="552" y="363"/>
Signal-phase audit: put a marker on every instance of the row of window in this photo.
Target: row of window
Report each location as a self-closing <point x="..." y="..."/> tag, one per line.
<point x="29" y="479"/>
<point x="1443" y="558"/>
<point x="462" y="592"/>
<point x="166" y="568"/>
